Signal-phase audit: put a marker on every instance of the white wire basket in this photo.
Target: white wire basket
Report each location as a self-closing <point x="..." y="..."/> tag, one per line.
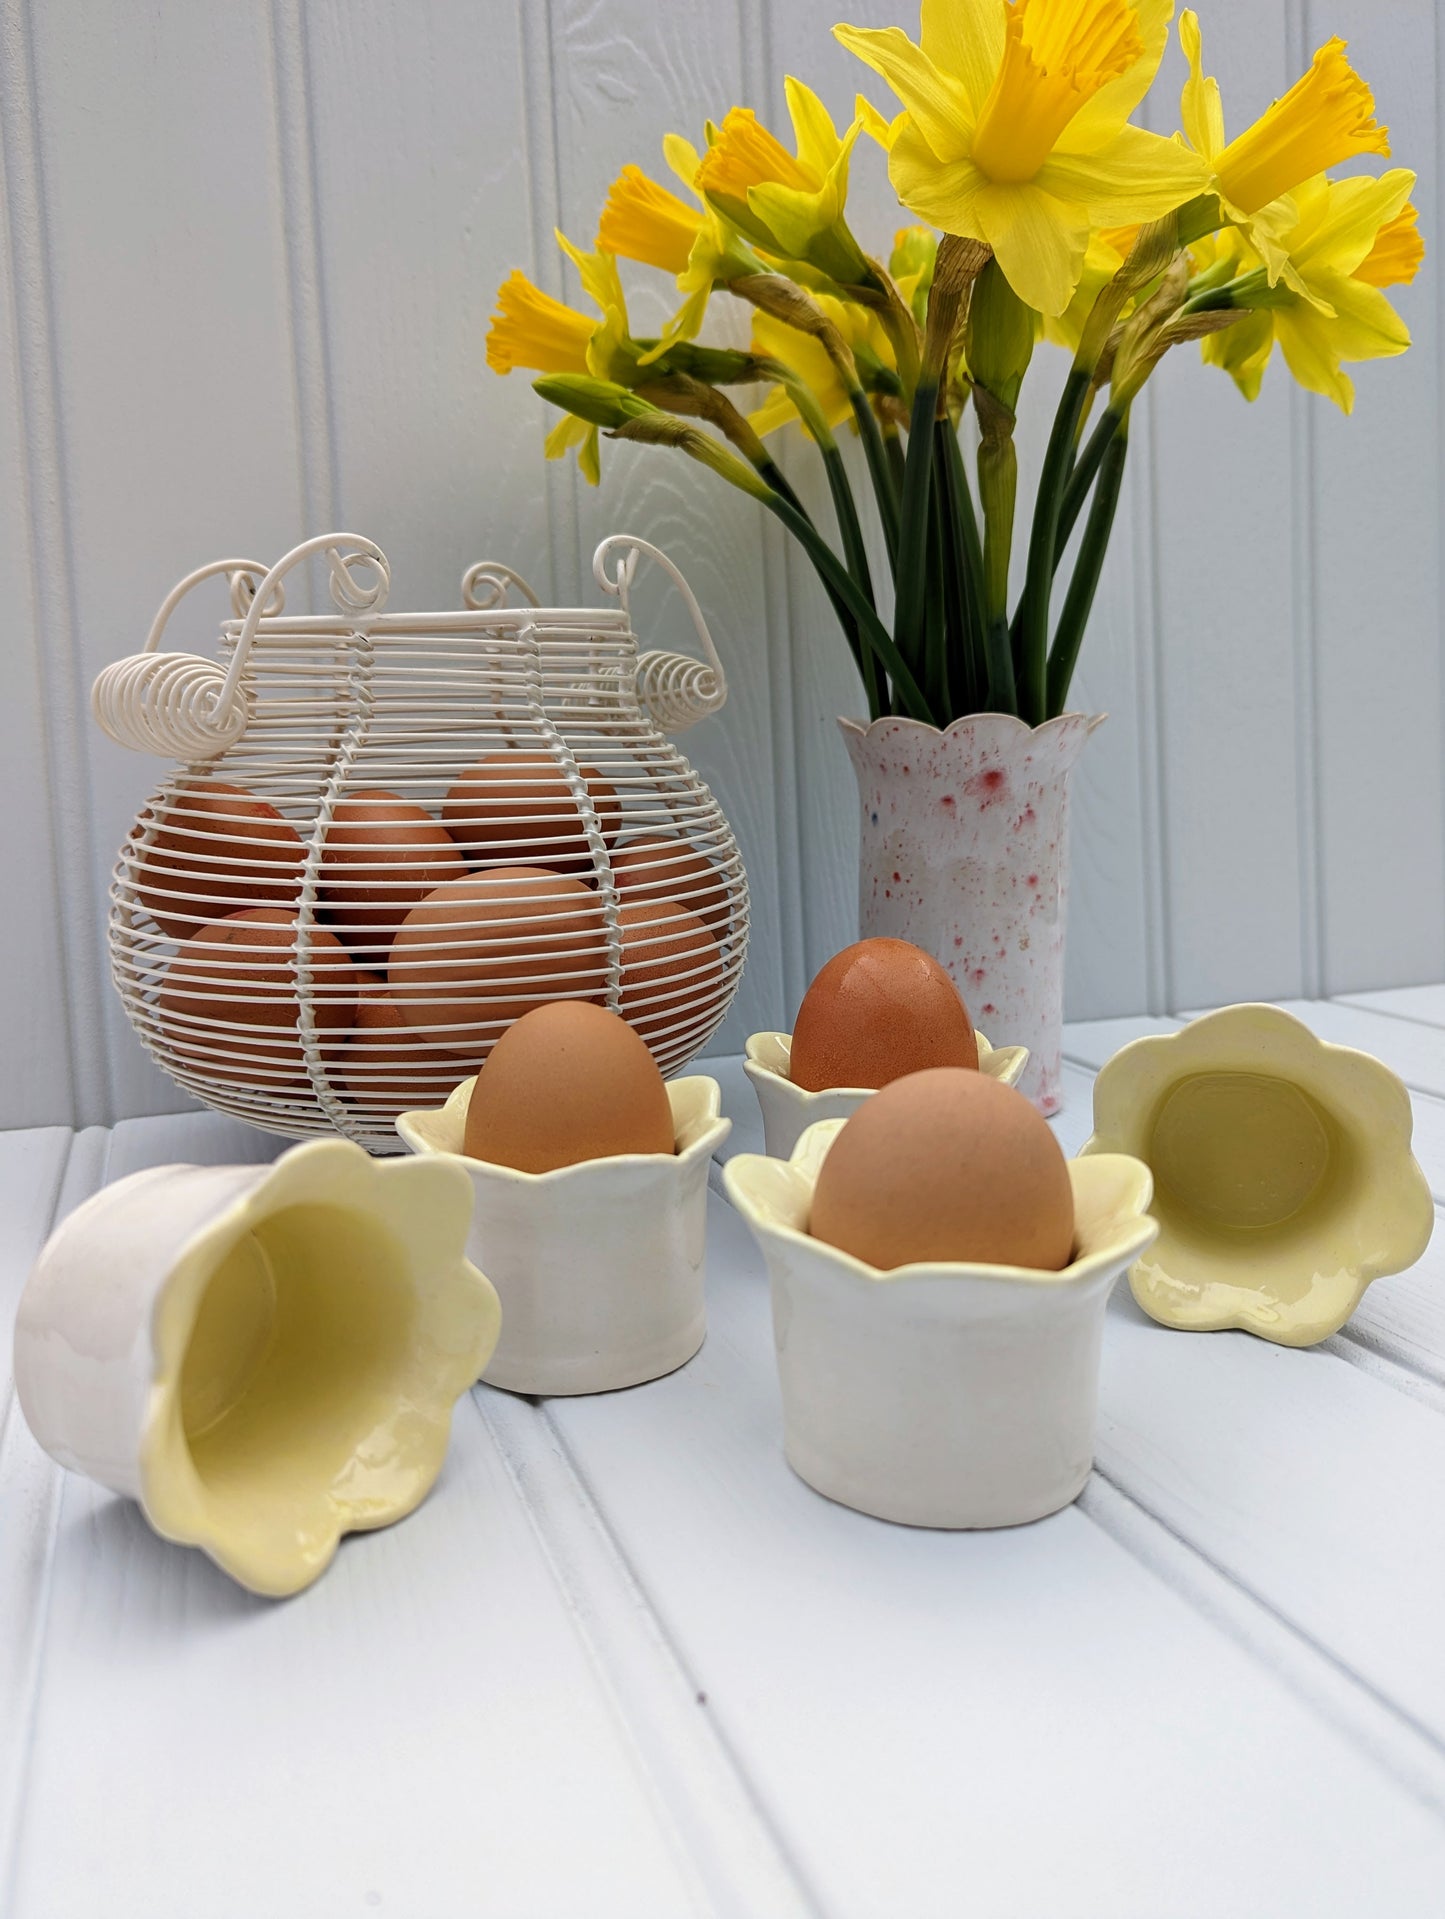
<point x="392" y="834"/>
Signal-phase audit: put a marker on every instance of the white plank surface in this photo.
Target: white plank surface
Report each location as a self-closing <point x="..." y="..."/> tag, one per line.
<point x="298" y="215"/>
<point x="629" y="1663"/>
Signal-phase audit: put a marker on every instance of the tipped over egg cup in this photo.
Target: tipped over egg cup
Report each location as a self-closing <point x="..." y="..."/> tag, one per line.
<point x="947" y="1395"/>
<point x="788" y="1109"/>
<point x="264" y="1357"/>
<point x="1284" y="1180"/>
<point x="599" y="1265"/>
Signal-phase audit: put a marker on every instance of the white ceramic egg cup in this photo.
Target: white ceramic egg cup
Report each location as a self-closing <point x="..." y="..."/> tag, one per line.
<point x="951" y="1395"/>
<point x="788" y="1110"/>
<point x="264" y="1357"/>
<point x="599" y="1265"/>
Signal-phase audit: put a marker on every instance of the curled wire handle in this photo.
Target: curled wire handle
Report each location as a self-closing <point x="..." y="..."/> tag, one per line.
<point x="484" y="585"/>
<point x="678" y="690"/>
<point x="186" y="707"/>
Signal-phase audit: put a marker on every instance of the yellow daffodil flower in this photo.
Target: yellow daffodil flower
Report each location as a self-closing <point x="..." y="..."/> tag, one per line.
<point x="531" y="329"/>
<point x="788" y="204"/>
<point x="1016" y="131"/>
<point x="774" y="339"/>
<point x="1349" y="240"/>
<point x="644" y="221"/>
<point x="1327" y="116"/>
<point x="911" y="264"/>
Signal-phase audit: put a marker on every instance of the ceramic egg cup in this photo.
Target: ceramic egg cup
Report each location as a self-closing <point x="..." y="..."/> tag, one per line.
<point x="1284" y="1180"/>
<point x="264" y="1357"/>
<point x="599" y="1265"/>
<point x="952" y="1395"/>
<point x="789" y="1109"/>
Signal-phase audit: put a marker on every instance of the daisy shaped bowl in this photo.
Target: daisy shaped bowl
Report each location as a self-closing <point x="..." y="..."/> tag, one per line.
<point x="599" y="1265"/>
<point x="940" y="1395"/>
<point x="264" y="1357"/>
<point x="1284" y="1181"/>
<point x="788" y="1110"/>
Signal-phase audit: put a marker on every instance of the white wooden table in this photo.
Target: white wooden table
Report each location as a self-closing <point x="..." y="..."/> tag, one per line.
<point x="623" y="1663"/>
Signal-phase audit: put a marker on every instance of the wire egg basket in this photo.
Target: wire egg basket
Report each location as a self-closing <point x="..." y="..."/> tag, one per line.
<point x="391" y="834"/>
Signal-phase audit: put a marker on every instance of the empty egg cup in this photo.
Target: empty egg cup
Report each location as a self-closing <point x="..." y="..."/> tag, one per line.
<point x="1284" y="1181"/>
<point x="599" y="1265"/>
<point x="788" y="1109"/>
<point x="264" y="1357"/>
<point x="945" y="1395"/>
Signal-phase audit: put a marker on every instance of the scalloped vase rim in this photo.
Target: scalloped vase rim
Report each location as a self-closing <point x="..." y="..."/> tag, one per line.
<point x="1092" y="722"/>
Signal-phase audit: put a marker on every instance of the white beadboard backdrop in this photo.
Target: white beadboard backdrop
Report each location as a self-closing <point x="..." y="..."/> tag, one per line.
<point x="250" y="248"/>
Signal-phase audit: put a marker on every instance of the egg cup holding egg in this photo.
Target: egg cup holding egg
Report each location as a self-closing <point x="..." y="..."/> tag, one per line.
<point x="264" y="1357"/>
<point x="788" y="1109"/>
<point x="1282" y="1165"/>
<point x="951" y="1395"/>
<point x="599" y="1265"/>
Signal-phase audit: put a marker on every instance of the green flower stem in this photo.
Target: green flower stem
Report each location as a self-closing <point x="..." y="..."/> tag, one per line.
<point x="1079" y="599"/>
<point x="963" y="578"/>
<point x="855" y="554"/>
<point x="912" y="567"/>
<point x="893" y="447"/>
<point x="935" y="640"/>
<point x="871" y="629"/>
<point x="998" y="492"/>
<point x="879" y="471"/>
<point x="1043" y="543"/>
<point x="1082" y="478"/>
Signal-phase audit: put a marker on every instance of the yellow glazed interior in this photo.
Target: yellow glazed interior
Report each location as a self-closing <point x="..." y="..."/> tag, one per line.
<point x="309" y="1347"/>
<point x="1284" y="1181"/>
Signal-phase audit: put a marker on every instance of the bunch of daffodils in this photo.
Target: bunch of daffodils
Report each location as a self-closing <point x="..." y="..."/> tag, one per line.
<point x="1040" y="212"/>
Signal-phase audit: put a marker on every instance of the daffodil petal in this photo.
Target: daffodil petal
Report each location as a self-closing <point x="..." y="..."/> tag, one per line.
<point x="1136" y="176"/>
<point x="1243" y="349"/>
<point x="1101" y="117"/>
<point x="1038" y="241"/>
<point x="937" y="102"/>
<point x="1200" y="108"/>
<point x="1349" y="219"/>
<point x="1311" y="355"/>
<point x="599" y="276"/>
<point x="965" y="39"/>
<point x="794" y="217"/>
<point x="874" y="124"/>
<point x="815" y="138"/>
<point x="682" y="156"/>
<point x="943" y="195"/>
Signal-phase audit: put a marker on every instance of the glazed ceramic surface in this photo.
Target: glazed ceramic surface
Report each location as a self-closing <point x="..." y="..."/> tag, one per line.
<point x="599" y="1265"/>
<point x="951" y="1395"/>
<point x="788" y="1109"/>
<point x="964" y="851"/>
<point x="265" y="1357"/>
<point x="1284" y="1180"/>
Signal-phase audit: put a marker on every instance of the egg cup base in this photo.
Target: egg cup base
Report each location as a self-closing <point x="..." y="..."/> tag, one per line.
<point x="822" y="1473"/>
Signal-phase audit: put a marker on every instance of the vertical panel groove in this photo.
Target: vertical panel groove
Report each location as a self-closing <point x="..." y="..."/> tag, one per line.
<point x="305" y="273"/>
<point x="1302" y="603"/>
<point x="1149" y="621"/>
<point x="66" y="707"/>
<point x="544" y="173"/>
<point x="784" y="719"/>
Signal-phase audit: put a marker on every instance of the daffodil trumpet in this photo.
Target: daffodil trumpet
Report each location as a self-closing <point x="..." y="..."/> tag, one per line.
<point x="1038" y="211"/>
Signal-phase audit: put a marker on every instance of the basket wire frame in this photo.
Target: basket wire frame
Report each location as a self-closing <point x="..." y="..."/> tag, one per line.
<point x="364" y="700"/>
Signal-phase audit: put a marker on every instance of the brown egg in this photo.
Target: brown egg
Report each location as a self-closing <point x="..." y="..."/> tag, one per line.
<point x="877" y="1011"/>
<point x="567" y="1082"/>
<point x="477" y="953"/>
<point x="228" y="1002"/>
<point x="942" y="1166"/>
<point x="218" y="849"/>
<point x="385" y="1067"/>
<point x="672" y="970"/>
<point x="657" y="868"/>
<point x="381" y="856"/>
<point x="516" y="809"/>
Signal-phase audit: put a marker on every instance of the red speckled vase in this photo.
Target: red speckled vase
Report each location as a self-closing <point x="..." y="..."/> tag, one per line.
<point x="965" y="851"/>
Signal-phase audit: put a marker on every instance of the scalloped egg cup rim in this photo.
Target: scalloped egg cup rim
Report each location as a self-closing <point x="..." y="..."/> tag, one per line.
<point x="994" y="1062"/>
<point x="712" y="1127"/>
